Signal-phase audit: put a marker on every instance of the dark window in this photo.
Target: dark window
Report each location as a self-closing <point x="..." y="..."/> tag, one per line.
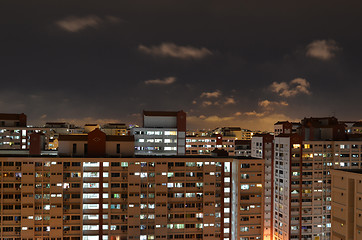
<point x="118" y="148"/>
<point x="85" y="149"/>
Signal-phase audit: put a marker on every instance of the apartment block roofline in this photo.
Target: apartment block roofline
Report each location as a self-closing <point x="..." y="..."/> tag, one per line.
<point x="262" y="134"/>
<point x="281" y="122"/>
<point x="84" y="137"/>
<point x="359" y="171"/>
<point x="55" y="123"/>
<point x="54" y="153"/>
<point x="161" y="113"/>
<point x="242" y="141"/>
<point x="11" y="116"/>
<point x="114" y="124"/>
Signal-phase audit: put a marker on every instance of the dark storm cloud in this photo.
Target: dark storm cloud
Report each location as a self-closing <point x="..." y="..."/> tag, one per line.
<point x="91" y="59"/>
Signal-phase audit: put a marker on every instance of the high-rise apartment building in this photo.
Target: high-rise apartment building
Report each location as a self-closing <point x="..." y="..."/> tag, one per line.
<point x="93" y="190"/>
<point x="346" y="204"/>
<point x="110" y="198"/>
<point x="76" y="198"/>
<point x="301" y="164"/>
<point x="263" y="147"/>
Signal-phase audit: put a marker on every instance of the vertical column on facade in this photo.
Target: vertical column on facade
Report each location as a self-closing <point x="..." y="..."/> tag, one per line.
<point x="134" y="191"/>
<point x="56" y="198"/>
<point x="27" y="201"/>
<point x="161" y="201"/>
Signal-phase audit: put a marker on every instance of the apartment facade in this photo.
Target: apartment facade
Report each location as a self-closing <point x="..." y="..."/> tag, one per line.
<point x="110" y="198"/>
<point x="346" y="204"/>
<point x="248" y="200"/>
<point x="308" y="184"/>
<point x="300" y="175"/>
<point x="263" y="148"/>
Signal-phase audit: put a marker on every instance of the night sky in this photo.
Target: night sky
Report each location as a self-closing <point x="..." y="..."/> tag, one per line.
<point x="225" y="63"/>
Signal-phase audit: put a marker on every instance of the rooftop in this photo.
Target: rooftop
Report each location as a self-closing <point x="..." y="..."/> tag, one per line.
<point x="159" y="113"/>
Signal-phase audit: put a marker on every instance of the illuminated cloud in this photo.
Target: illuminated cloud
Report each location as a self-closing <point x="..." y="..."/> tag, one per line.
<point x="229" y="100"/>
<point x="175" y="51"/>
<point x="322" y="49"/>
<point x="294" y="87"/>
<point x="218" y="100"/>
<point x="165" y="81"/>
<point x="270" y="104"/>
<point x="76" y="24"/>
<point x="207" y="103"/>
<point x="255" y="114"/>
<point x="214" y="94"/>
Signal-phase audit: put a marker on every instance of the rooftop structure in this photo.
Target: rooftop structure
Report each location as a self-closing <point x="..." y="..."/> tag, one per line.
<point x="162" y="134"/>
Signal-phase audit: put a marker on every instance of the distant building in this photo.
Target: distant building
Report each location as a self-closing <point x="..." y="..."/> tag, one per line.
<point x="162" y="134"/>
<point x="90" y="127"/>
<point x="57" y="128"/>
<point x="237" y="132"/>
<point x="12" y="134"/>
<point x="12" y="120"/>
<point x="357" y="128"/>
<point x="327" y="128"/>
<point x="115" y="129"/>
<point x="95" y="144"/>
<point x="243" y="148"/>
<point x="285" y="127"/>
<point x="204" y="145"/>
